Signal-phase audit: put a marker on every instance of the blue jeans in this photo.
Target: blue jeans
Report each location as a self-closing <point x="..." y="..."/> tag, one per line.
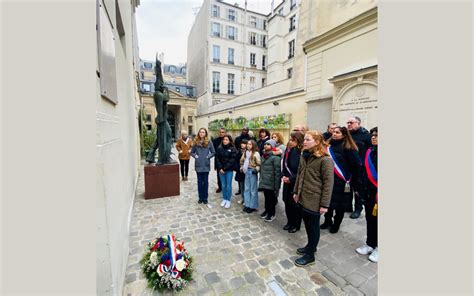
<point x="251" y="191"/>
<point x="203" y="185"/>
<point x="226" y="181"/>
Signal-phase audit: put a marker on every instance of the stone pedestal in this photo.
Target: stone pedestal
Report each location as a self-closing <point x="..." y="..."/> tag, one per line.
<point x="161" y="180"/>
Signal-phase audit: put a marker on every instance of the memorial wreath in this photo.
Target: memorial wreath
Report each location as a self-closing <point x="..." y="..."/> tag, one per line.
<point x="167" y="264"/>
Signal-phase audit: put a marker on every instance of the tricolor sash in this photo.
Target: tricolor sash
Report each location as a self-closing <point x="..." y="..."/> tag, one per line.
<point x="338" y="169"/>
<point x="372" y="176"/>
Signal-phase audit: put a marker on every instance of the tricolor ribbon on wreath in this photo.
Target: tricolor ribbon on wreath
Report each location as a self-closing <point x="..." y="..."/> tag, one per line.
<point x="372" y="175"/>
<point x="339" y="172"/>
<point x="171" y="269"/>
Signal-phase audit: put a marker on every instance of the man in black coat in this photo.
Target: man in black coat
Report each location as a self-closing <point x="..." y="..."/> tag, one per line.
<point x="362" y="139"/>
<point x="244" y="135"/>
<point x="328" y="134"/>
<point x="216" y="142"/>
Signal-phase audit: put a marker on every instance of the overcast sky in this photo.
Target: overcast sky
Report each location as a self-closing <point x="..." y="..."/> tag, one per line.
<point x="164" y="25"/>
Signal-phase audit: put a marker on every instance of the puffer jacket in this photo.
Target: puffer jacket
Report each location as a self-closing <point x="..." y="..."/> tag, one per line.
<point x="314" y="182"/>
<point x="270" y="172"/>
<point x="225" y="157"/>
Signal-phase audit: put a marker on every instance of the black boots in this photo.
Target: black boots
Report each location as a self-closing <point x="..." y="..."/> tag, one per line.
<point x="305" y="260"/>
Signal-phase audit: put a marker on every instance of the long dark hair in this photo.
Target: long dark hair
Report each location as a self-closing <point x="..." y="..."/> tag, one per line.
<point x="347" y="142"/>
<point x="298" y="138"/>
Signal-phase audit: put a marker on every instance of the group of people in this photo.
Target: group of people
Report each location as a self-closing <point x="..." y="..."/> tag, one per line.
<point x="321" y="174"/>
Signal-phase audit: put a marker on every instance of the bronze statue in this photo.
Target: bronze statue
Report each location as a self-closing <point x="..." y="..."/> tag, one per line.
<point x="163" y="140"/>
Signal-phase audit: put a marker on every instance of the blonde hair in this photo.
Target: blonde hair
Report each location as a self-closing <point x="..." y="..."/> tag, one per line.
<point x="184" y="132"/>
<point x="320" y="149"/>
<point x="279" y="136"/>
<point x="197" y="139"/>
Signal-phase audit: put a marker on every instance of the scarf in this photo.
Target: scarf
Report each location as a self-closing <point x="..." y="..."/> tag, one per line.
<point x="306" y="154"/>
<point x="246" y="161"/>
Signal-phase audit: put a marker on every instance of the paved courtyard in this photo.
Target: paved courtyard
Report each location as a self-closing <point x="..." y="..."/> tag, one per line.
<point x="236" y="253"/>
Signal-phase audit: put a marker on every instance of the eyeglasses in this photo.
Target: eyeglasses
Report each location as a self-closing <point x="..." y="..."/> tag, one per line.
<point x="375" y="135"/>
<point x="351" y="122"/>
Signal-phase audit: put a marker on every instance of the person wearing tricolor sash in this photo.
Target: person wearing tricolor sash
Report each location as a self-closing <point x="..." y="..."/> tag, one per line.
<point x="347" y="164"/>
<point x="371" y="202"/>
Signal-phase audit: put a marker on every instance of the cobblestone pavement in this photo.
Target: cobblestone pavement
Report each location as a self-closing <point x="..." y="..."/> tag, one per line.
<point x="236" y="253"/>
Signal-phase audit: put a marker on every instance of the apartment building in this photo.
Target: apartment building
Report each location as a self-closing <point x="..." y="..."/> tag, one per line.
<point x="227" y="51"/>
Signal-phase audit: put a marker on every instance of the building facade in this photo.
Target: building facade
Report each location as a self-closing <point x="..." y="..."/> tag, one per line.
<point x="227" y="51"/>
<point x="117" y="139"/>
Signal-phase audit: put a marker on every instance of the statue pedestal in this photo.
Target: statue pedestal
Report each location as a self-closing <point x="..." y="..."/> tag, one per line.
<point x="161" y="180"/>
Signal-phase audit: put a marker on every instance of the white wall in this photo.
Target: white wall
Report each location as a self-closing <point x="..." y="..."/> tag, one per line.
<point x="117" y="165"/>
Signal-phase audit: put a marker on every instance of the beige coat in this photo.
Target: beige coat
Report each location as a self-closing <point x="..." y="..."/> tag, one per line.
<point x="184" y="147"/>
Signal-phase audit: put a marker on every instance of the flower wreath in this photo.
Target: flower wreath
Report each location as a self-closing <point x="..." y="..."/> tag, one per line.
<point x="167" y="264"/>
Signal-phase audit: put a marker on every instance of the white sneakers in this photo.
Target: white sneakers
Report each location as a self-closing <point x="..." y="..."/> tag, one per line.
<point x="225" y="203"/>
<point x="365" y="250"/>
<point x="374" y="256"/>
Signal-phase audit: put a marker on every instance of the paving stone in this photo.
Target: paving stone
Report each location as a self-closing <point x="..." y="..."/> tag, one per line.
<point x="212" y="278"/>
<point x="351" y="291"/>
<point x="251" y="277"/>
<point x="333" y="277"/>
<point x="237" y="282"/>
<point x="318" y="279"/>
<point x="264" y="273"/>
<point x="286" y="264"/>
<point x="130" y="278"/>
<point x="369" y="288"/>
<point x="252" y="264"/>
<point x="323" y="291"/>
<point x="356" y="279"/>
<point x="306" y="284"/>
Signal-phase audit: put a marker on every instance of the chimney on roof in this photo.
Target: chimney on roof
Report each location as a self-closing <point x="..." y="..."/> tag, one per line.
<point x="236" y="4"/>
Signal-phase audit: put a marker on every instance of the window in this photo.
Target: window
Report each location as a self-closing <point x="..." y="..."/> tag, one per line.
<point x="148" y="65"/>
<point x="253" y="21"/>
<point x="148" y="117"/>
<point x="264" y="24"/>
<point x="292" y="23"/>
<point x="264" y="82"/>
<point x="252" y="83"/>
<point x="263" y="62"/>
<point x="230" y="84"/>
<point x="253" y="38"/>
<point x="189" y="92"/>
<point x="146" y="87"/>
<point x="280" y="11"/>
<point x="216" y="53"/>
<point x="263" y="40"/>
<point x="216" y="11"/>
<point x="230" y="56"/>
<point x="293" y="4"/>
<point x="231" y="15"/>
<point x="178" y="89"/>
<point x="252" y="60"/>
<point x="190" y="119"/>
<point x="291" y="49"/>
<point x="231" y="33"/>
<point x="215" y="81"/>
<point x="172" y="69"/>
<point x="289" y="72"/>
<point x="216" y="30"/>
